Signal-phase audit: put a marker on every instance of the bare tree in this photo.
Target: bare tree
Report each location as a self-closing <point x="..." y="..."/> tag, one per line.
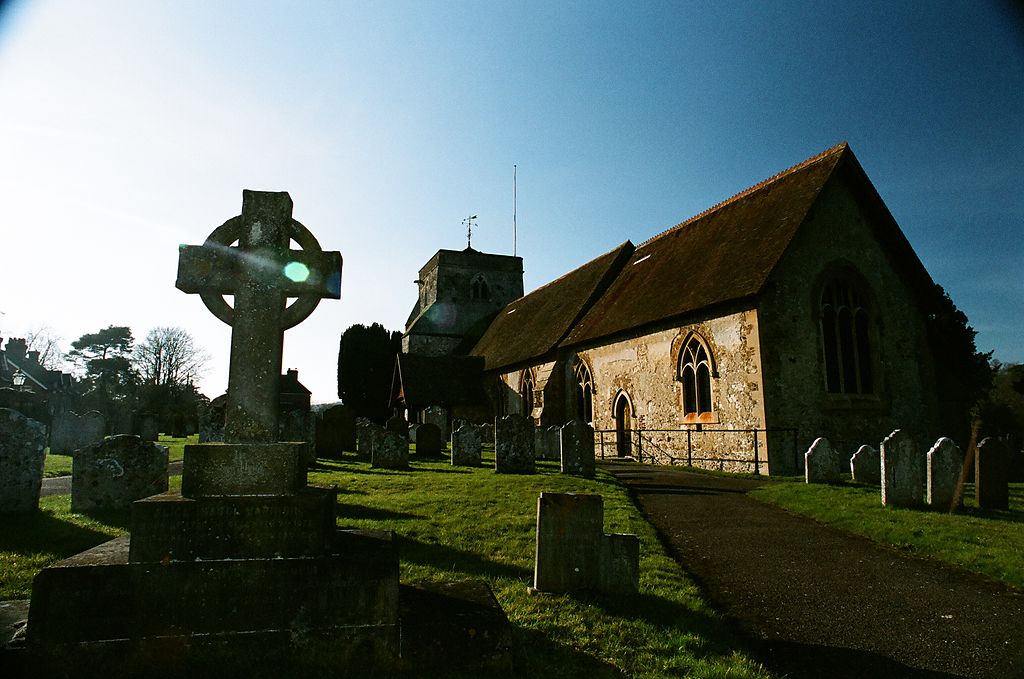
<point x="47" y="343"/>
<point x="169" y="356"/>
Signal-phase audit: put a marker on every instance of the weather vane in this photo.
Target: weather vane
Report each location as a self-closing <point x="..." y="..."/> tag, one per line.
<point x="468" y="221"/>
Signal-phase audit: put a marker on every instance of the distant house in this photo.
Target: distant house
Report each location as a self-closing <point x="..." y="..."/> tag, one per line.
<point x="794" y="309"/>
<point x="27" y="386"/>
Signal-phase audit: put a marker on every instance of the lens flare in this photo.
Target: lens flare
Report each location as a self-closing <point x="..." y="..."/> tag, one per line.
<point x="296" y="272"/>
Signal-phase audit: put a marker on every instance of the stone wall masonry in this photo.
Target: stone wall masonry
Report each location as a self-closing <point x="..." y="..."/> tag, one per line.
<point x="866" y="466"/>
<point x="903" y="471"/>
<point x="22" y="455"/>
<point x="117" y="471"/>
<point x="944" y="464"/>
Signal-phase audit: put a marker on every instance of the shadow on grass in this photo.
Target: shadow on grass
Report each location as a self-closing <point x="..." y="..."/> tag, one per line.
<point x="445" y="558"/>
<point x="355" y="511"/>
<point x="810" y="661"/>
<point x="535" y="655"/>
<point x="42" y="532"/>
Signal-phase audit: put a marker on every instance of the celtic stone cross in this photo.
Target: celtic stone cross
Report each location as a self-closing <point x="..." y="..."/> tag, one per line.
<point x="262" y="272"/>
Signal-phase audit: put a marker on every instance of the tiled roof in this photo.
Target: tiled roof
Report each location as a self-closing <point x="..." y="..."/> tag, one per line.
<point x="533" y="325"/>
<point x="721" y="255"/>
<point x="438" y="380"/>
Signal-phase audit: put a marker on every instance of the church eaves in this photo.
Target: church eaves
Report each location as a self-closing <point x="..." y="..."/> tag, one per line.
<point x="721" y="255"/>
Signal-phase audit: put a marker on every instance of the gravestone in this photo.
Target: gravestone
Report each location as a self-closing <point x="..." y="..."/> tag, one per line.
<point x="866" y="466"/>
<point x="487" y="433"/>
<point x="369" y="436"/>
<point x="335" y="432"/>
<point x="573" y="553"/>
<point x="513" y="445"/>
<point x="992" y="475"/>
<point x="211" y="421"/>
<point x="121" y="422"/>
<point x="466" y="446"/>
<point x="71" y="431"/>
<point x="903" y="471"/>
<point x="577" y="448"/>
<point x="392" y="452"/>
<point x="92" y="428"/>
<point x="117" y="471"/>
<point x="428" y="441"/>
<point x="268" y="576"/>
<point x="437" y="416"/>
<point x="821" y="463"/>
<point x="149" y="427"/>
<point x="944" y="464"/>
<point x="413" y="428"/>
<point x="398" y="425"/>
<point x="22" y="454"/>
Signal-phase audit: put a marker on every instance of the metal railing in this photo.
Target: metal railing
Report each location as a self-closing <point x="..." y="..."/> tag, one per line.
<point x="704" y="447"/>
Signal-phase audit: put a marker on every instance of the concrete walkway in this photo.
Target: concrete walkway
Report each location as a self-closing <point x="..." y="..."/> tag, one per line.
<point x="818" y="602"/>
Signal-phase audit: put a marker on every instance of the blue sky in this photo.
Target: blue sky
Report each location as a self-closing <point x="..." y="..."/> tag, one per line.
<point x="127" y="128"/>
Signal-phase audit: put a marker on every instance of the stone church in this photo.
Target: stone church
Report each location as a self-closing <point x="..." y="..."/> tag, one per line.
<point x="795" y="309"/>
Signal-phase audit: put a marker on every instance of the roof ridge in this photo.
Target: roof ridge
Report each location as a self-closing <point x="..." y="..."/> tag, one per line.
<point x="838" y="148"/>
<point x="569" y="273"/>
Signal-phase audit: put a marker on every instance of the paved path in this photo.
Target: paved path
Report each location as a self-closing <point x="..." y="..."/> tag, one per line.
<point x="817" y="602"/>
<point x="61" y="485"/>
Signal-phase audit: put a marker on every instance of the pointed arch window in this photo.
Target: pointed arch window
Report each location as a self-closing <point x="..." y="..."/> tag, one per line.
<point x="527" y="385"/>
<point x="696" y="368"/>
<point x="478" y="289"/>
<point x="584" y="392"/>
<point x="845" y="318"/>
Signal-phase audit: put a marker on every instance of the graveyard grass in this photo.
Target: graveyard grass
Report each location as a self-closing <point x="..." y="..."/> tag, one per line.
<point x="458" y="523"/>
<point x="990" y="543"/>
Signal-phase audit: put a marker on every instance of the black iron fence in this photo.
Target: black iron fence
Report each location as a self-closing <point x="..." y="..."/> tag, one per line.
<point x="724" y="449"/>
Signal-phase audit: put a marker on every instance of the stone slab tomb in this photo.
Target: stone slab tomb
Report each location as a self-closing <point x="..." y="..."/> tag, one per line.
<point x="992" y="475"/>
<point x="243" y="567"/>
<point x="466" y="446"/>
<point x="576" y="444"/>
<point x="429" y="441"/>
<point x="944" y="464"/>
<point x="22" y="454"/>
<point x="573" y="552"/>
<point x="866" y="466"/>
<point x="513" y="445"/>
<point x="903" y="471"/>
<point x="335" y="432"/>
<point x="821" y="462"/>
<point x="117" y="471"/>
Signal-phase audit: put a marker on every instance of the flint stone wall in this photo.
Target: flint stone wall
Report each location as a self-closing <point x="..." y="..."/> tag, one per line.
<point x="117" y="471"/>
<point x="22" y="454"/>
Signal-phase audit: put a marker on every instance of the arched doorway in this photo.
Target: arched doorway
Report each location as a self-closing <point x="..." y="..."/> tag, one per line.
<point x="623" y="425"/>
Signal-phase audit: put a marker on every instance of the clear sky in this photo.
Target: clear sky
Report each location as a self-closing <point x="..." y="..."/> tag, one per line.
<point x="128" y="127"/>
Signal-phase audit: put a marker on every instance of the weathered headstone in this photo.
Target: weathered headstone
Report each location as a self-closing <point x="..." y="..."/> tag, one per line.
<point x="821" y="462"/>
<point x="64" y="432"/>
<point x="149" y="427"/>
<point x="992" y="475"/>
<point x="428" y="441"/>
<point x="866" y="466"/>
<point x="466" y="446"/>
<point x="487" y="433"/>
<point x="335" y="432"/>
<point x="413" y="428"/>
<point x="944" y="464"/>
<point x="22" y="454"/>
<point x="398" y="425"/>
<point x="577" y="448"/>
<point x="257" y="548"/>
<point x="369" y="436"/>
<point x="117" y="471"/>
<point x="903" y="471"/>
<point x="211" y="421"/>
<point x="437" y="416"/>
<point x="391" y="453"/>
<point x="573" y="553"/>
<point x="92" y="428"/>
<point x="513" y="445"/>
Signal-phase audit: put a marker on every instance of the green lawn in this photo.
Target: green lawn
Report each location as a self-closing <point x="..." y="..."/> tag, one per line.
<point x="456" y="523"/>
<point x="987" y="542"/>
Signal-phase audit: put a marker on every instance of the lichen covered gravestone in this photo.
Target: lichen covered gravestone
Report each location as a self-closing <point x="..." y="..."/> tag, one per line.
<point x="821" y="462"/>
<point x="903" y="471"/>
<point x="270" y="580"/>
<point x="992" y="475"/>
<point x="944" y="464"/>
<point x="466" y="446"/>
<point x="391" y="452"/>
<point x="513" y="445"/>
<point x="577" y="448"/>
<point x="22" y="454"/>
<point x="437" y="416"/>
<point x="117" y="471"/>
<point x="865" y="466"/>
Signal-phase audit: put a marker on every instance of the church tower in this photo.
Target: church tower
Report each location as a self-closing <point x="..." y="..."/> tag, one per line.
<point x="459" y="294"/>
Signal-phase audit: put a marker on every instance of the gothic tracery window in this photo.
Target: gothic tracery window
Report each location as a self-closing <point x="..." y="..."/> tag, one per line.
<point x="527" y="385"/>
<point x="584" y="392"/>
<point x="846" y="338"/>
<point x="478" y="289"/>
<point x="695" y="371"/>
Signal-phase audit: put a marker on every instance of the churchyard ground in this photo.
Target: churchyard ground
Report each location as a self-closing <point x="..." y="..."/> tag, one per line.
<point x="458" y="523"/>
<point x="988" y="542"/>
